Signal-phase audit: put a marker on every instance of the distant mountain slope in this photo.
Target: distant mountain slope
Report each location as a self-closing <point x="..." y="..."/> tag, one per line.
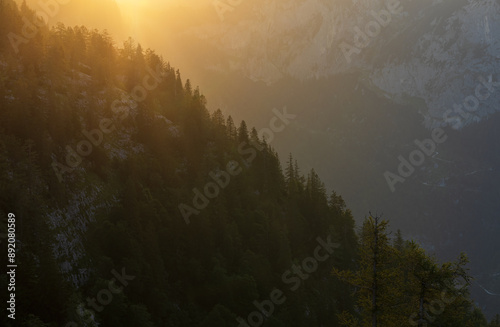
<point x="431" y="50"/>
<point x="430" y="66"/>
<point x="135" y="206"/>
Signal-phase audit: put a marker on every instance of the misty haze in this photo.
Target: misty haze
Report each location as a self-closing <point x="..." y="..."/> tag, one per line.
<point x="245" y="163"/>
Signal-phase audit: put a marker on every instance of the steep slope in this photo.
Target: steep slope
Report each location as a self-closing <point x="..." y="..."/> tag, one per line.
<point x="433" y="65"/>
<point x="105" y="155"/>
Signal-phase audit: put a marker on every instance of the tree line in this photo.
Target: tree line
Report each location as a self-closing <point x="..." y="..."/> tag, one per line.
<point x="119" y="208"/>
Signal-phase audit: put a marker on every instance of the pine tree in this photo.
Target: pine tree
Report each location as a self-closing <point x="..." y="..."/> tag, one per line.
<point x="178" y="89"/>
<point x="337" y="203"/>
<point x="398" y="241"/>
<point x="188" y="89"/>
<point x="315" y="188"/>
<point x="243" y="132"/>
<point x="255" y="141"/>
<point x="301" y="181"/>
<point x="218" y="118"/>
<point x="374" y="281"/>
<point x="231" y="129"/>
<point x="495" y="322"/>
<point x="290" y="177"/>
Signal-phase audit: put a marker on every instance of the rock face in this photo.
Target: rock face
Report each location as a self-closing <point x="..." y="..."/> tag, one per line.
<point x="270" y="40"/>
<point x="450" y="65"/>
<point x="437" y="51"/>
<point x="440" y="57"/>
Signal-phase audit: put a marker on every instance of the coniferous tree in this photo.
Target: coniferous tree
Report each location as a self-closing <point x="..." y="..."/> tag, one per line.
<point x="121" y="203"/>
<point x="374" y="282"/>
<point x="243" y="132"/>
<point x="290" y="177"/>
<point x="231" y="129"/>
<point x="495" y="322"/>
<point x="399" y="242"/>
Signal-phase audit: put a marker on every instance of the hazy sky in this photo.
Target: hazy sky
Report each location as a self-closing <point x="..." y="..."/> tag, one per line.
<point x="189" y="3"/>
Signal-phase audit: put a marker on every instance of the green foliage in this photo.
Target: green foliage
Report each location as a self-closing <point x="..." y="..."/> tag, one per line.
<point x="495" y="322"/>
<point x="398" y="284"/>
<point x="119" y="207"/>
<point x="207" y="273"/>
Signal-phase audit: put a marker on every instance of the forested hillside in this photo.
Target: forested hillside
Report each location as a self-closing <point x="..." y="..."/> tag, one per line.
<point x="136" y="206"/>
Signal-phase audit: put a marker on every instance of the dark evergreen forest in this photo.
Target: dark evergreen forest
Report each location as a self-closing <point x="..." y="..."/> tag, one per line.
<point x="136" y="206"/>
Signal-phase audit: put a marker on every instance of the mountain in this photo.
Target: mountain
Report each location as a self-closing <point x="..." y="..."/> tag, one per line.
<point x="133" y="205"/>
<point x="363" y="98"/>
<point x="436" y="51"/>
<point x="130" y="192"/>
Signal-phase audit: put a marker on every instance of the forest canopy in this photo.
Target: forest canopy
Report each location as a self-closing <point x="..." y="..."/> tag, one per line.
<point x="101" y="144"/>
